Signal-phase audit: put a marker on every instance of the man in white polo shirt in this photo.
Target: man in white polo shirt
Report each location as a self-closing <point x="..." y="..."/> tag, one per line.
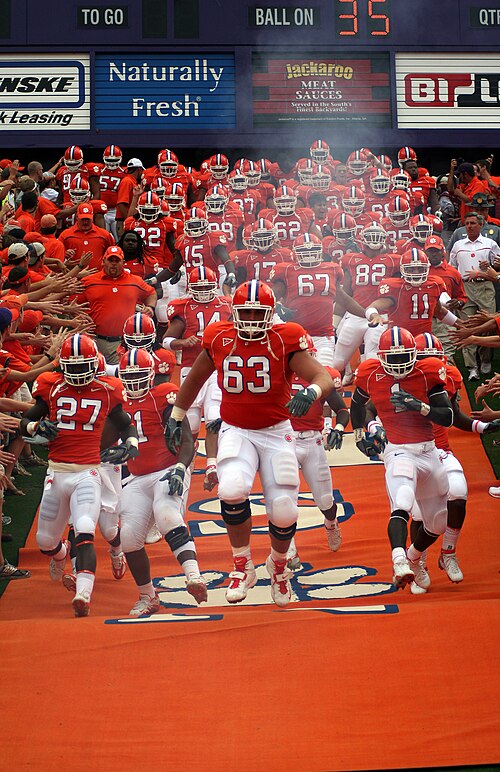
<point x="474" y="256"/>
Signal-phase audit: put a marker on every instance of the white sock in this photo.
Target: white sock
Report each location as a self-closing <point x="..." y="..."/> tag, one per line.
<point x="146" y="589"/>
<point x="450" y="538"/>
<point x="191" y="567"/>
<point x="330" y="524"/>
<point x="398" y="553"/>
<point x="62" y="553"/>
<point x="413" y="554"/>
<point x="211" y="462"/>
<point x="84" y="582"/>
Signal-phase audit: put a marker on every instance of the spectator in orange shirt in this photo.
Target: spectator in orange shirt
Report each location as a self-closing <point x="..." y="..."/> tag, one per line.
<point x="125" y="191"/>
<point x="469" y="184"/>
<point x="55" y="251"/>
<point x="25" y="216"/>
<point x="86" y="237"/>
<point x="113" y="295"/>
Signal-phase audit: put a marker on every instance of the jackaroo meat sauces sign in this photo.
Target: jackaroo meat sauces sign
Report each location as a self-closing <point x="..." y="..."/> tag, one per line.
<point x="173" y="90"/>
<point x="287" y="88"/>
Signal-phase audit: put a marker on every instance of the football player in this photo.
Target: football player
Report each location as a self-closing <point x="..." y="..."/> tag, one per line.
<point x="70" y="411"/>
<point x="289" y="220"/>
<point x="254" y="361"/>
<point x="415" y="298"/>
<point x="157" y="483"/>
<point x="409" y="397"/>
<point x="188" y="317"/>
<point x="157" y="231"/>
<point x="109" y="174"/>
<point x="262" y="252"/>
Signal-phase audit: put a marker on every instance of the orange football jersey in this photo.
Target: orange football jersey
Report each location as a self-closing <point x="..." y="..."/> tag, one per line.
<point x="367" y="273"/>
<point x="80" y="413"/>
<point x="413" y="306"/>
<point x="402" y="426"/>
<point x="311" y="293"/>
<point x="314" y="418"/>
<point x="196" y="317"/>
<point x="255" y="375"/>
<point x="147" y="414"/>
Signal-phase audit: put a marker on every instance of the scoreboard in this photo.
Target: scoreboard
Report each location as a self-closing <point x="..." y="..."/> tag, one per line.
<point x="227" y="73"/>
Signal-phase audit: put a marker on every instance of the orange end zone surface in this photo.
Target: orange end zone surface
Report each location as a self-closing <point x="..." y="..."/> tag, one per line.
<point x="351" y="675"/>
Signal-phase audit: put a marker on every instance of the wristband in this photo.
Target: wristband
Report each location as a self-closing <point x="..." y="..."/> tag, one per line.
<point x="177" y="413"/>
<point x="425" y="409"/>
<point x="49" y="357"/>
<point x="31" y="428"/>
<point x="339" y="427"/>
<point x="167" y="343"/>
<point x="479" y="426"/>
<point x="369" y="312"/>
<point x="317" y="389"/>
<point x="132" y="442"/>
<point x="444" y="298"/>
<point x="449" y="318"/>
<point x="327" y="422"/>
<point x="372" y="426"/>
<point x="358" y="435"/>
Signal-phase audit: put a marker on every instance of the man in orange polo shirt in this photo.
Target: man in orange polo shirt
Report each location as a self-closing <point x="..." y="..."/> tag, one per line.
<point x="469" y="184"/>
<point x="113" y="295"/>
<point x="87" y="237"/>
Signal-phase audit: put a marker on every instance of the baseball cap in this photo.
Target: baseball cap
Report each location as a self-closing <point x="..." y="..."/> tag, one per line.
<point x="36" y="251"/>
<point x="466" y="168"/>
<point x="481" y="199"/>
<point x="434" y="242"/>
<point x="5" y="162"/>
<point x="5" y="318"/>
<point x="17" y="275"/>
<point x="48" y="221"/>
<point x="135" y="163"/>
<point x="31" y="320"/>
<point x="114" y="251"/>
<point x="14" y="301"/>
<point x="85" y="212"/>
<point x="13" y="225"/>
<point x="17" y="252"/>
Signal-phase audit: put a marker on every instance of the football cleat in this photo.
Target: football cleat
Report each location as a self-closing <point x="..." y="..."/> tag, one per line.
<point x="403" y="574"/>
<point x="145" y="606"/>
<point x="56" y="567"/>
<point x="241" y="579"/>
<point x="448" y="562"/>
<point x="415" y="589"/>
<point x="118" y="564"/>
<point x="81" y="604"/>
<point x="293" y="560"/>
<point x="422" y="578"/>
<point x="334" y="536"/>
<point x="281" y="589"/>
<point x="211" y="478"/>
<point x="69" y="582"/>
<point x="197" y="588"/>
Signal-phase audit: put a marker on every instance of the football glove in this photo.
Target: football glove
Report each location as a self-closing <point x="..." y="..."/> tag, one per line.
<point x="46" y="429"/>
<point x="378" y="438"/>
<point x="213" y="426"/>
<point x="175" y="279"/>
<point x="334" y="439"/>
<point x="284" y="313"/>
<point x="119" y="454"/>
<point x="173" y="435"/>
<point x="492" y="426"/>
<point x="230" y="280"/>
<point x="175" y="478"/>
<point x="301" y="402"/>
<point x="405" y="401"/>
<point x="364" y="443"/>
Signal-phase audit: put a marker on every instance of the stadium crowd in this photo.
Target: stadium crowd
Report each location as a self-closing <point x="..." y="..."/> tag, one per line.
<point x="136" y="302"/>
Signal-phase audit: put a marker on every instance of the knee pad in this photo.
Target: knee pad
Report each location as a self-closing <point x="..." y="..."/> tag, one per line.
<point x="400" y="514"/>
<point x="108" y="526"/>
<point x="178" y="537"/>
<point x="282" y="534"/>
<point x="130" y="541"/>
<point x="84" y="524"/>
<point x="284" y="511"/>
<point x="84" y="538"/>
<point x="232" y="488"/>
<point x="49" y="552"/>
<point x="235" y="514"/>
<point x="285" y="469"/>
<point x="457" y="486"/>
<point x="325" y="502"/>
<point x="404" y="498"/>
